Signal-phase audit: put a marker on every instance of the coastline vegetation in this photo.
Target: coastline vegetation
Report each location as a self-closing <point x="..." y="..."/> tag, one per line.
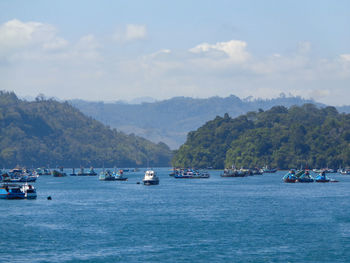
<point x="48" y="132"/>
<point x="284" y="138"/>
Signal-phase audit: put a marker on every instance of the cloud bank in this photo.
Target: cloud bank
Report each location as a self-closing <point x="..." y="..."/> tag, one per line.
<point x="35" y="59"/>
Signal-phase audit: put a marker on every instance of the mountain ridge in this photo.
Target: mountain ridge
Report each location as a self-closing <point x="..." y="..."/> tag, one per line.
<point x="170" y="120"/>
<point x="48" y="132"/>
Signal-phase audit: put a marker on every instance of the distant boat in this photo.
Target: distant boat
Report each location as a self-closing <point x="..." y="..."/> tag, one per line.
<point x="18" y="175"/>
<point x="59" y="173"/>
<point x="42" y="171"/>
<point x="29" y="191"/>
<point x="233" y="173"/>
<point x="150" y="178"/>
<point x="91" y="172"/>
<point x="267" y="170"/>
<point x="107" y="176"/>
<point x="322" y="178"/>
<point x="11" y="191"/>
<point x="191" y="174"/>
<point x="119" y="176"/>
<point x="73" y="173"/>
<point x="290" y="177"/>
<point x="304" y="177"/>
<point x="344" y="171"/>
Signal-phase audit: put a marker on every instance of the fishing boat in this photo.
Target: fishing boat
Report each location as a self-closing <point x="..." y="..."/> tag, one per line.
<point x="304" y="177"/>
<point x="106" y="176"/>
<point x="91" y="172"/>
<point x="119" y="176"/>
<point x="29" y="191"/>
<point x="42" y="171"/>
<point x="175" y="171"/>
<point x="73" y="173"/>
<point x="255" y="171"/>
<point x="266" y="169"/>
<point x="322" y="178"/>
<point x="19" y="175"/>
<point x="59" y="173"/>
<point x="290" y="177"/>
<point x="344" y="171"/>
<point x="150" y="178"/>
<point x="233" y="173"/>
<point x="202" y="175"/>
<point x="11" y="191"/>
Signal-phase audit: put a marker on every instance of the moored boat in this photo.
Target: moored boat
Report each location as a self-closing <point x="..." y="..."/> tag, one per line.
<point x="268" y="170"/>
<point x="304" y="177"/>
<point x="119" y="176"/>
<point x="29" y="191"/>
<point x="91" y="172"/>
<point x="11" y="191"/>
<point x="322" y="178"/>
<point x="344" y="171"/>
<point x="150" y="178"/>
<point x="290" y="177"/>
<point x="59" y="173"/>
<point x="107" y="176"/>
<point x="233" y="173"/>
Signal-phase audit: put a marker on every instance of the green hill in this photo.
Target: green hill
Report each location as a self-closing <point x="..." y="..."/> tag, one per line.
<point x="280" y="137"/>
<point x="172" y="119"/>
<point x="47" y="132"/>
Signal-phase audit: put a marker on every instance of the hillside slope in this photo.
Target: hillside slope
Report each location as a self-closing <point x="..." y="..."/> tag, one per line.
<point x="170" y="120"/>
<point x="280" y="137"/>
<point x="47" y="132"/>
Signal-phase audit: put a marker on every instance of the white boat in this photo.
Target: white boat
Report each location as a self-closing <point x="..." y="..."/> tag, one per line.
<point x="150" y="178"/>
<point x="29" y="191"/>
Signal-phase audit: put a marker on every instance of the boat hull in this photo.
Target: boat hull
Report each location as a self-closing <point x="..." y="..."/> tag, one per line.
<point x="150" y="182"/>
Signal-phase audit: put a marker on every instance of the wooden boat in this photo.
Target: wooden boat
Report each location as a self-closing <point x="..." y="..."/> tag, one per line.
<point x="290" y="177"/>
<point x="11" y="191"/>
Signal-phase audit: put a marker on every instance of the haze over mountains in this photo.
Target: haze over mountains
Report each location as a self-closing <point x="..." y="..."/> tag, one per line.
<point x="170" y="120"/>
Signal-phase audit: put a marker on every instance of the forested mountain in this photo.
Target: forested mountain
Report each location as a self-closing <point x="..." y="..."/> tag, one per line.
<point x="280" y="137"/>
<point x="47" y="132"/>
<point x="170" y="120"/>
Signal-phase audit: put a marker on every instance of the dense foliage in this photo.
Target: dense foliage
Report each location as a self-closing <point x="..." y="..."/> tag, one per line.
<point x="47" y="132"/>
<point x="280" y="137"/>
<point x="170" y="120"/>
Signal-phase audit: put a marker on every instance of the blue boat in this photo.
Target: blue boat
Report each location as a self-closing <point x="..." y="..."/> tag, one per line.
<point x="18" y="175"/>
<point x="11" y="191"/>
<point x="290" y="177"/>
<point x="322" y="178"/>
<point x="305" y="177"/>
<point x="119" y="176"/>
<point x="107" y="176"/>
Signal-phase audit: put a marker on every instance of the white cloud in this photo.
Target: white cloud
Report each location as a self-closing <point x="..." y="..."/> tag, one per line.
<point x="16" y="35"/>
<point x="345" y="57"/>
<point x="131" y="32"/>
<point x="35" y="59"/>
<point x="134" y="32"/>
<point x="234" y="49"/>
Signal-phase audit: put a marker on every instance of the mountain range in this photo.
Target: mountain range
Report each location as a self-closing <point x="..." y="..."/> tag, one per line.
<point x="169" y="121"/>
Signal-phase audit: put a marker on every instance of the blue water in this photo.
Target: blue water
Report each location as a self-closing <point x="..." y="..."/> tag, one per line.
<point x="251" y="219"/>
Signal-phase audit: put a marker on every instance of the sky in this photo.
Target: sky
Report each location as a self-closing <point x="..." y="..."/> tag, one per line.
<point x="121" y="50"/>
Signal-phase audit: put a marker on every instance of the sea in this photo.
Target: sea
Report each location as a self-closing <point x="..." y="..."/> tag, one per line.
<point x="250" y="219"/>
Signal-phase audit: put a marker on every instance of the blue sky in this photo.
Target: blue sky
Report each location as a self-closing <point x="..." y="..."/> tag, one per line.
<point x="111" y="50"/>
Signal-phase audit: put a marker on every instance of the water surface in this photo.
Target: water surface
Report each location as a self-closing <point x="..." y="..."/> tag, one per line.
<point x="250" y="219"/>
